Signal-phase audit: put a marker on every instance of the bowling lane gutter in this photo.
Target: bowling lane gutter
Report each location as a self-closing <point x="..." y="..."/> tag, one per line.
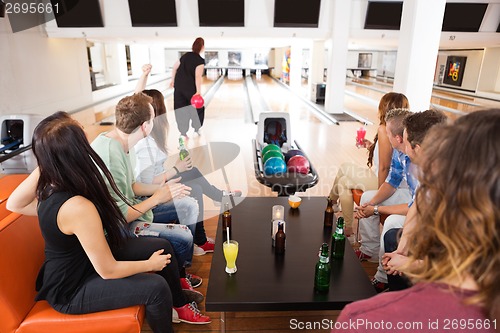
<point x="461" y="101"/>
<point x="322" y="115"/>
<point x="121" y="94"/>
<point x="257" y="102"/>
<point x="435" y="106"/>
<point x="212" y="90"/>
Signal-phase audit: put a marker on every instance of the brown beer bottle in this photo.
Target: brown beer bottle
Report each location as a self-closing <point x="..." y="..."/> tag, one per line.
<point x="226" y="222"/>
<point x="280" y="238"/>
<point x="329" y="216"/>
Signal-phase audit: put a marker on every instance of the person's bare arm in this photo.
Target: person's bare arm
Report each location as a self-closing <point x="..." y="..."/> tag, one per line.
<point x="23" y="199"/>
<point x="141" y="84"/>
<point x="367" y="210"/>
<point x="163" y="193"/>
<point x="384" y="155"/>
<point x="174" y="72"/>
<point x="409" y="225"/>
<point x="78" y="216"/>
<point x="199" y="78"/>
<point x="384" y="192"/>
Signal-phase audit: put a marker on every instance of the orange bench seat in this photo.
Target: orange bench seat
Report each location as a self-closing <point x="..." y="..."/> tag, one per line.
<point x="21" y="256"/>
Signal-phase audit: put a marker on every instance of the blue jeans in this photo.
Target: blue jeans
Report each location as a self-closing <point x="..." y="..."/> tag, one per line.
<point x="158" y="292"/>
<point x="391" y="241"/>
<point x="184" y="211"/>
<point x="199" y="186"/>
<point x="178" y="235"/>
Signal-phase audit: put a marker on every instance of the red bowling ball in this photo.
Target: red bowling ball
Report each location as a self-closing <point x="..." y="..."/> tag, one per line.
<point x="298" y="164"/>
<point x="291" y="153"/>
<point x="197" y="101"/>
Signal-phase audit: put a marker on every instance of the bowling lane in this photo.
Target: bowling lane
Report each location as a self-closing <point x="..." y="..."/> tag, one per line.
<point x="461" y="102"/>
<point x="327" y="146"/>
<point x="280" y="99"/>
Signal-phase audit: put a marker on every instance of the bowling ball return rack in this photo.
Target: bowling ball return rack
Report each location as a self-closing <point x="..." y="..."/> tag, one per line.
<point x="287" y="183"/>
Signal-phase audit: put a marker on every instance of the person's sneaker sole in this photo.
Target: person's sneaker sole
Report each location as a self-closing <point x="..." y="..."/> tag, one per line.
<point x="193" y="295"/>
<point x="175" y="317"/>
<point x="198" y="251"/>
<point x="194" y="285"/>
<point x="195" y="322"/>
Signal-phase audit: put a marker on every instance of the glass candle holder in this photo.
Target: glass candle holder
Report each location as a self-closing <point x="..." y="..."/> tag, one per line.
<point x="278" y="212"/>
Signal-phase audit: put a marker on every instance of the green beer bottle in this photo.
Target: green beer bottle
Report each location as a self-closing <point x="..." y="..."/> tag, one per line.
<point x="183" y="152"/>
<point x="338" y="240"/>
<point x="323" y="270"/>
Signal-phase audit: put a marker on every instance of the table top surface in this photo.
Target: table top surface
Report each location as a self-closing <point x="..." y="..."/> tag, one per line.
<point x="268" y="282"/>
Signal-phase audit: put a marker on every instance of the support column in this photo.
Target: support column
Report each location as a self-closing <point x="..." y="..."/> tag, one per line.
<point x="316" y="65"/>
<point x="296" y="67"/>
<point x="335" y="84"/>
<point x="419" y="37"/>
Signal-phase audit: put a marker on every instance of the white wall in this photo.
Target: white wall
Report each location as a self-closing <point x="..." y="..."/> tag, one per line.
<point x="489" y="80"/>
<point x="41" y="75"/>
<point x="353" y="56"/>
<point x="472" y="66"/>
<point x="171" y="56"/>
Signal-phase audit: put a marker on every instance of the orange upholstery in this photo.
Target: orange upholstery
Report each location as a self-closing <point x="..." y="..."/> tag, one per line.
<point x="21" y="256"/>
<point x="8" y="184"/>
<point x="356" y="196"/>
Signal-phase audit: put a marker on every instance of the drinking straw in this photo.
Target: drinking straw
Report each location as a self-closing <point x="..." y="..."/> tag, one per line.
<point x="227" y="230"/>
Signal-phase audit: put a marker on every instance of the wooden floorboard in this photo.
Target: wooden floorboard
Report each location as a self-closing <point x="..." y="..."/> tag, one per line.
<point x="271" y="321"/>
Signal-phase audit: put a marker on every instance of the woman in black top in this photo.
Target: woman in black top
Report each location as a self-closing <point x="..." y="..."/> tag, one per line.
<point x="87" y="270"/>
<point x="186" y="78"/>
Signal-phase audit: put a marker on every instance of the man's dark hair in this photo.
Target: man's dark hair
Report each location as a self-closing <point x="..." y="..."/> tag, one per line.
<point x="417" y="124"/>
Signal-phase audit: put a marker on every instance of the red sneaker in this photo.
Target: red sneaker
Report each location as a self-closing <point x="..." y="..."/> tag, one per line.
<point x="191" y="294"/>
<point x="380" y="287"/>
<point x="194" y="279"/>
<point x="190" y="314"/>
<point x="361" y="256"/>
<point x="209" y="245"/>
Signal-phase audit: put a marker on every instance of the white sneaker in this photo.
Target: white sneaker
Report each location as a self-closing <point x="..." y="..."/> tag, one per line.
<point x="175" y="317"/>
<point x="198" y="251"/>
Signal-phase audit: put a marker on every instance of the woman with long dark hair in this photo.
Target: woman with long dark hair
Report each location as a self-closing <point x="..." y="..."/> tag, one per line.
<point x="187" y="76"/>
<point x="90" y="263"/>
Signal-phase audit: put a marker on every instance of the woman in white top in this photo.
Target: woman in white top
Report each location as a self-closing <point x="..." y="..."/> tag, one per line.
<point x="151" y="167"/>
<point x="352" y="176"/>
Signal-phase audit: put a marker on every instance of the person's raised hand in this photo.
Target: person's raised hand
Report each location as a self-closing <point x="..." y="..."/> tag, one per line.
<point x="146" y="69"/>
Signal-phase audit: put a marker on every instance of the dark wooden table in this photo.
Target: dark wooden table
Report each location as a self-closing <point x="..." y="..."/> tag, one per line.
<point x="268" y="282"/>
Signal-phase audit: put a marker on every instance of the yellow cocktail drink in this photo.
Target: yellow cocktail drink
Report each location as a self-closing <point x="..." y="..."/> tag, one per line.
<point x="230" y="253"/>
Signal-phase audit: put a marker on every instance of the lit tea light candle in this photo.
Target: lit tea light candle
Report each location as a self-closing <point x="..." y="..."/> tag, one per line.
<point x="278" y="212"/>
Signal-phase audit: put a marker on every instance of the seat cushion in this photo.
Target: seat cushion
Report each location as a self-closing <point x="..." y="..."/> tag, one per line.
<point x="8" y="184"/>
<point x="44" y="319"/>
<point x="356" y="195"/>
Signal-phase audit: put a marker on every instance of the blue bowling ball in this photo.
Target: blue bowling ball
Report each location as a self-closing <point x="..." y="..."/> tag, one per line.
<point x="274" y="165"/>
<point x="291" y="153"/>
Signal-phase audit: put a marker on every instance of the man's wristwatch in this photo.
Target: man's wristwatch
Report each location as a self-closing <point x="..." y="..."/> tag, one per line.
<point x="375" y="210"/>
